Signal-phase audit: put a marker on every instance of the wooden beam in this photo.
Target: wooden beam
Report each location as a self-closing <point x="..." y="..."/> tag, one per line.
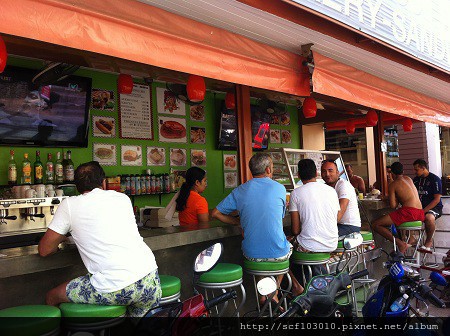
<point x="244" y="125"/>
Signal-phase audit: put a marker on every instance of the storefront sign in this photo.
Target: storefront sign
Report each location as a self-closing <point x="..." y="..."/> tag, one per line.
<point x="418" y="27"/>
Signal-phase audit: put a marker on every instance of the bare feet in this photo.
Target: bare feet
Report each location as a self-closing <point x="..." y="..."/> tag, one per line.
<point x="402" y="246"/>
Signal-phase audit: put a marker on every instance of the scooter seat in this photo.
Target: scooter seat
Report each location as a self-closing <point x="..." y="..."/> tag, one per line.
<point x="222" y="273"/>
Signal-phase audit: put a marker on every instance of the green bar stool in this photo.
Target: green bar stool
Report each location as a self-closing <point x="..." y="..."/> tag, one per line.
<point x="90" y="317"/>
<point x="309" y="259"/>
<point x="171" y="289"/>
<point x="33" y="320"/>
<point x="409" y="228"/>
<point x="269" y="269"/>
<point x="222" y="277"/>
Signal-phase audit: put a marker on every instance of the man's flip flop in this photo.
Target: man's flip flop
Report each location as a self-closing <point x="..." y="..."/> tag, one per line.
<point x="423" y="247"/>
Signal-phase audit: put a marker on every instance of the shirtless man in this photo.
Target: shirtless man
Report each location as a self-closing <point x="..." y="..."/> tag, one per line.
<point x="356" y="181"/>
<point x="401" y="192"/>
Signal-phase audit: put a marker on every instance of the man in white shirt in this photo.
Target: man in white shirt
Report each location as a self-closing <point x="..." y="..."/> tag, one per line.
<point x="122" y="268"/>
<point x="349" y="219"/>
<point x="314" y="209"/>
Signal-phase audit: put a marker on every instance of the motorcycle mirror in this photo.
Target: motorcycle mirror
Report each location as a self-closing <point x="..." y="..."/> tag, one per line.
<point x="352" y="240"/>
<point x="208" y="258"/>
<point x="438" y="279"/>
<point x="266" y="286"/>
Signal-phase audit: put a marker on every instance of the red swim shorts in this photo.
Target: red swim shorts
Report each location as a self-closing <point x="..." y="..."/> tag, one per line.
<point x="407" y="214"/>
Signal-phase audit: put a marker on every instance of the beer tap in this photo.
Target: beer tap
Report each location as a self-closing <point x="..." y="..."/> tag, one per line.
<point x="4" y="216"/>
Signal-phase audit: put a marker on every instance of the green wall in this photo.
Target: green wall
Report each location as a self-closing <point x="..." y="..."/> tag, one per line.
<point x="215" y="191"/>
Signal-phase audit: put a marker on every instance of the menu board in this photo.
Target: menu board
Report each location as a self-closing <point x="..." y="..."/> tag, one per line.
<point x="135" y="113"/>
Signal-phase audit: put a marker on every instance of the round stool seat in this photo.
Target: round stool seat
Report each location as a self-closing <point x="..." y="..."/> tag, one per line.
<point x="90" y="310"/>
<point x="222" y="273"/>
<point x="416" y="225"/>
<point x="37" y="320"/>
<point x="367" y="236"/>
<point x="266" y="265"/>
<point x="310" y="257"/>
<point x="170" y="285"/>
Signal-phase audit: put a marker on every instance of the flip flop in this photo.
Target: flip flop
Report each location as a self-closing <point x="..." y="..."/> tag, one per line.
<point x="423" y="247"/>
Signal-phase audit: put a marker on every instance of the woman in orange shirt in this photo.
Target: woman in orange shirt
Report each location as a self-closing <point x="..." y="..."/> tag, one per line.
<point x="193" y="208"/>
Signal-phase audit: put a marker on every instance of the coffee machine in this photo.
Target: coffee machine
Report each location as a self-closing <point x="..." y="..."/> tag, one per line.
<point x="24" y="221"/>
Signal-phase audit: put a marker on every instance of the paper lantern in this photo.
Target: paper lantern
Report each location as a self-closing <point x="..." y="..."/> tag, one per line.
<point x="3" y="55"/>
<point x="309" y="107"/>
<point x="371" y="118"/>
<point x="125" y="84"/>
<point x="407" y="125"/>
<point x="230" y="101"/>
<point x="196" y="88"/>
<point x="350" y="127"/>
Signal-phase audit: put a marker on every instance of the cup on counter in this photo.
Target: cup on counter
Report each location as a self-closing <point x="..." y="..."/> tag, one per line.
<point x="59" y="192"/>
<point x="16" y="192"/>
<point x="40" y="191"/>
<point x="23" y="190"/>
<point x="30" y="193"/>
<point x="49" y="190"/>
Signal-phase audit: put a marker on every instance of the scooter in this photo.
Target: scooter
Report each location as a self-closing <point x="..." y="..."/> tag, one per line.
<point x="187" y="317"/>
<point x="401" y="279"/>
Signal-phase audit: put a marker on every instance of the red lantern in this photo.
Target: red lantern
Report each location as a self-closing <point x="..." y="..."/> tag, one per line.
<point x="350" y="127"/>
<point x="3" y="55"/>
<point x="230" y="101"/>
<point x="125" y="84"/>
<point x="371" y="118"/>
<point x="407" y="125"/>
<point x="196" y="88"/>
<point x="309" y="107"/>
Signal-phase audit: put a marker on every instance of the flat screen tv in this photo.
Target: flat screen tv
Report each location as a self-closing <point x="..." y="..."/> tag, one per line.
<point x="228" y="129"/>
<point x="54" y="115"/>
<point x="260" y="128"/>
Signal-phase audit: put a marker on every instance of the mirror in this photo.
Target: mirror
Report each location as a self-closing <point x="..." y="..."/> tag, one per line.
<point x="266" y="286"/>
<point x="208" y="258"/>
<point x="438" y="279"/>
<point x="352" y="240"/>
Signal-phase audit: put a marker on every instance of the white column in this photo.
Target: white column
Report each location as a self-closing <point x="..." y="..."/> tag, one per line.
<point x="434" y="150"/>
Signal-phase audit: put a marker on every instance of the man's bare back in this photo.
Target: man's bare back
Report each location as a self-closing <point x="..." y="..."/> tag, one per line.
<point x="403" y="191"/>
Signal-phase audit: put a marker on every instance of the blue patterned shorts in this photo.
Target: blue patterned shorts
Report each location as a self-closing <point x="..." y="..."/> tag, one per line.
<point x="139" y="297"/>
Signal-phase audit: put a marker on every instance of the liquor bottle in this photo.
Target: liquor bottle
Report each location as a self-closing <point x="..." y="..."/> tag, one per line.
<point x="68" y="168"/>
<point x="12" y="169"/>
<point x="49" y="170"/>
<point x="59" y="172"/>
<point x="38" y="169"/>
<point x="26" y="170"/>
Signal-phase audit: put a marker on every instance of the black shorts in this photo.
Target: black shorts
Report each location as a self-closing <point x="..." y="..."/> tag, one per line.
<point x="436" y="212"/>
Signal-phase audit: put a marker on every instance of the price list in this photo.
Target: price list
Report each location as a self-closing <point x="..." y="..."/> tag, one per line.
<point x="135" y="113"/>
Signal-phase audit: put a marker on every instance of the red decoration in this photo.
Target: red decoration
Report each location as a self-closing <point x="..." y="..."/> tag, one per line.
<point x="371" y="118"/>
<point x="230" y="101"/>
<point x="407" y="125"/>
<point x="196" y="88"/>
<point x="125" y="84"/>
<point x="350" y="127"/>
<point x="309" y="107"/>
<point x="3" y="55"/>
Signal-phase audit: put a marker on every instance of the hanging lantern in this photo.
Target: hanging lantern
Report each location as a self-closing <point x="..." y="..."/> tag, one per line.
<point x="350" y="127"/>
<point x="3" y="55"/>
<point x="196" y="88"/>
<point x="309" y="107"/>
<point x="407" y="125"/>
<point x="125" y="84"/>
<point x="371" y="118"/>
<point x="230" y="101"/>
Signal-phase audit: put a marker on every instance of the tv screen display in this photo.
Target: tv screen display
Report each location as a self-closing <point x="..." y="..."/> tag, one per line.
<point x="260" y="128"/>
<point x="54" y="115"/>
<point x="228" y="129"/>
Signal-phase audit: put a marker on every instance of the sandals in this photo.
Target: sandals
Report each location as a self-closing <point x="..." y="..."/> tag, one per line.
<point x="423" y="247"/>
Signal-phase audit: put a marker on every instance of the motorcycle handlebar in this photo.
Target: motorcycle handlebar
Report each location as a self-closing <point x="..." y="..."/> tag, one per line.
<point x="293" y="309"/>
<point x="430" y="296"/>
<point x="220" y="299"/>
<point x="359" y="274"/>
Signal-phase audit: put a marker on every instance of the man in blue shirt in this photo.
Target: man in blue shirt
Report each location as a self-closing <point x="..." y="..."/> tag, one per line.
<point x="429" y="187"/>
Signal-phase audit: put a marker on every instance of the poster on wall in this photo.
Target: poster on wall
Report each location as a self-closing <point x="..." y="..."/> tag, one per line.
<point x="286" y="137"/>
<point x="197" y="112"/>
<point x="285" y="119"/>
<point x="168" y="103"/>
<point x="105" y="154"/>
<point x="103" y="99"/>
<point x="274" y="119"/>
<point x="178" y="157"/>
<point x="198" y="135"/>
<point x="275" y="136"/>
<point x="179" y="177"/>
<point x="230" y="179"/>
<point x="103" y="126"/>
<point x="229" y="161"/>
<point x="172" y="129"/>
<point x="135" y="113"/>
<point x="131" y="155"/>
<point x="198" y="157"/>
<point x="156" y="156"/>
